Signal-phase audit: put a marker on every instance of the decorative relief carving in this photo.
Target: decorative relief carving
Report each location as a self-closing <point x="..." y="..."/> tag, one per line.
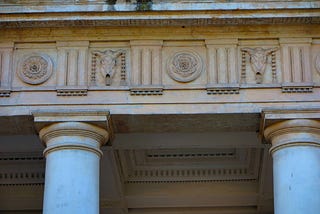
<point x="258" y="62"/>
<point x="146" y="91"/>
<point x="185" y="66"/>
<point x="223" y="90"/>
<point x="35" y="69"/>
<point x="5" y="93"/>
<point x="72" y="92"/>
<point x="297" y="88"/>
<point x="106" y="64"/>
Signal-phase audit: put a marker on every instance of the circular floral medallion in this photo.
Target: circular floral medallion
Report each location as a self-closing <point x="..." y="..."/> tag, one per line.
<point x="185" y="66"/>
<point x="35" y="69"/>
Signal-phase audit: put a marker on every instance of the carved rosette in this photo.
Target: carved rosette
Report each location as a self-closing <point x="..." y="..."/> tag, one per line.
<point x="185" y="66"/>
<point x="35" y="69"/>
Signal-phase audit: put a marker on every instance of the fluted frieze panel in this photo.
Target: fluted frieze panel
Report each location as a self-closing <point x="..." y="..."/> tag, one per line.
<point x="296" y="60"/>
<point x="72" y="68"/>
<point x="223" y="77"/>
<point x="146" y="67"/>
<point x="6" y="52"/>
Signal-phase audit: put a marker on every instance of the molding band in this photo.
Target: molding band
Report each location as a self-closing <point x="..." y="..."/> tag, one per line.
<point x="70" y="147"/>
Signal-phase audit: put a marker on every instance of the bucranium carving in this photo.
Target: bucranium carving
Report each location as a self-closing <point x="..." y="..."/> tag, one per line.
<point x="106" y="63"/>
<point x="258" y="60"/>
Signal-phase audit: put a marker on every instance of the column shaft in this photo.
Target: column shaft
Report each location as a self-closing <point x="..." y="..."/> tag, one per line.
<point x="296" y="160"/>
<point x="72" y="167"/>
<point x="72" y="182"/>
<point x="297" y="180"/>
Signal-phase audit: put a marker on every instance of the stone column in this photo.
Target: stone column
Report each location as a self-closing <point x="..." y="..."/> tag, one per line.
<point x="296" y="165"/>
<point x="72" y="163"/>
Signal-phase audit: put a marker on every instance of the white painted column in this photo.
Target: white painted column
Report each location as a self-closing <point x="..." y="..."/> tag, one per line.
<point x="72" y="167"/>
<point x="296" y="165"/>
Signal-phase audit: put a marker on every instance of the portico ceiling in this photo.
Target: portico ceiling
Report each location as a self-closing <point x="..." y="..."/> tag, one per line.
<point x="207" y="163"/>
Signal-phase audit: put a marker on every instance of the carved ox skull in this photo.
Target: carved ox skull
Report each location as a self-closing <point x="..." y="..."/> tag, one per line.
<point x="107" y="62"/>
<point x="258" y="60"/>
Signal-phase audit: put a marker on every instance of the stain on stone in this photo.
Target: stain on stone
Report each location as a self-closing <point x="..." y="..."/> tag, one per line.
<point x="144" y="5"/>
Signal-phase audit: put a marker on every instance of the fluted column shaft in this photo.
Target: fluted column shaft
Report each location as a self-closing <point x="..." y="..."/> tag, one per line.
<point x="296" y="165"/>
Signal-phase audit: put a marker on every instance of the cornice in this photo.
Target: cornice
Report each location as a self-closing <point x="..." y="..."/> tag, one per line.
<point x="161" y="14"/>
<point x="102" y="6"/>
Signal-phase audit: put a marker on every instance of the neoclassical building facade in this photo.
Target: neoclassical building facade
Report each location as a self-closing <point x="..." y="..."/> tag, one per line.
<point x="160" y="107"/>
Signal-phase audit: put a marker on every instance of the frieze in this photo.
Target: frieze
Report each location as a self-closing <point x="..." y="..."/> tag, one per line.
<point x="184" y="66"/>
<point x="149" y="67"/>
<point x="35" y="69"/>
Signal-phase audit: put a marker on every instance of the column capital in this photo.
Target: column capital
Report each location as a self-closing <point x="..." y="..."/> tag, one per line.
<point x="284" y="128"/>
<point x="85" y="130"/>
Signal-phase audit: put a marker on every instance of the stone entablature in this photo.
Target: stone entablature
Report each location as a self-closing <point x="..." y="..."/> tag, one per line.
<point x="150" y="67"/>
